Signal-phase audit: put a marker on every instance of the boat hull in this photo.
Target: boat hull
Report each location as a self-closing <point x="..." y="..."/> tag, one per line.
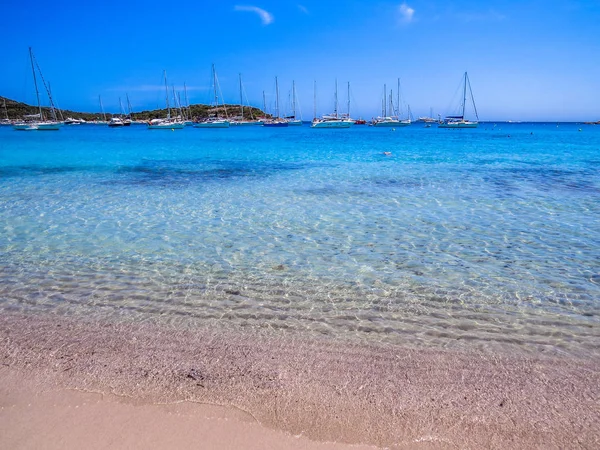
<point x="332" y="124"/>
<point x="247" y="124"/>
<point x="276" y="125"/>
<point x="220" y="124"/>
<point x="295" y="123"/>
<point x="394" y="124"/>
<point x="166" y="126"/>
<point x="459" y="125"/>
<point x="43" y="126"/>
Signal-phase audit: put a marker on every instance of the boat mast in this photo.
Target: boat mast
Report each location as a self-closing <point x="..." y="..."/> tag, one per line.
<point x="391" y="102"/>
<point x="53" y="109"/>
<point x="187" y="102"/>
<point x="241" y="98"/>
<point x="37" y="93"/>
<point x="472" y="98"/>
<point x="398" y="100"/>
<point x="181" y="108"/>
<point x="121" y="107"/>
<point x="348" y="99"/>
<point x="315" y="101"/>
<point x="398" y="105"/>
<point x="215" y="86"/>
<point x="336" y="100"/>
<point x="102" y="108"/>
<point x="5" y="109"/>
<point x="264" y="104"/>
<point x="294" y="98"/>
<point x="277" y="97"/>
<point x="384" y="106"/>
<point x="176" y="101"/>
<point x="167" y="95"/>
<point x="464" y="97"/>
<point x="129" y="106"/>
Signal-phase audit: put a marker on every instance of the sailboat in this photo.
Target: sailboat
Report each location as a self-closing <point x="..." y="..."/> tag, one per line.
<point x="346" y="116"/>
<point x="428" y="119"/>
<point x="188" y="111"/>
<point x="101" y="110"/>
<point x="459" y="121"/>
<point x="214" y="121"/>
<point x="293" y="119"/>
<point x="127" y="121"/>
<point x="277" y="121"/>
<point x="168" y="123"/>
<point x="41" y="124"/>
<point x="118" y="121"/>
<point x="392" y="120"/>
<point x="241" y="120"/>
<point x="115" y="122"/>
<point x="5" y="120"/>
<point x="330" y="120"/>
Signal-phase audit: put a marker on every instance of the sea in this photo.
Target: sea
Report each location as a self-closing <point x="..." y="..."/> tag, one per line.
<point x="484" y="238"/>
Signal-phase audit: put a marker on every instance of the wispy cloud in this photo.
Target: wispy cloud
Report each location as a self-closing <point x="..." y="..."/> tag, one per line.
<point x="265" y="16"/>
<point x="405" y="13"/>
<point x="303" y="9"/>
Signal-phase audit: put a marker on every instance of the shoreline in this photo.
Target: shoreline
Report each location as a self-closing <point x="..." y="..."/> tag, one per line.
<point x="34" y="416"/>
<point x="378" y="395"/>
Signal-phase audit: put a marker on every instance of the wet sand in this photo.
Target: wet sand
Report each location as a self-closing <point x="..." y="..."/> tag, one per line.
<point x="326" y="391"/>
<point x="34" y="417"/>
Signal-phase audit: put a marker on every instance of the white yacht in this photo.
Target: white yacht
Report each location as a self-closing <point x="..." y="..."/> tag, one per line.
<point x="168" y="123"/>
<point x="459" y="121"/>
<point x="38" y="122"/>
<point x="331" y="120"/>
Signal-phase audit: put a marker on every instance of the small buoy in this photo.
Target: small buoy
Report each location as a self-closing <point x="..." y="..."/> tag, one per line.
<point x="387" y="153"/>
<point x="580" y="129"/>
<point x="172" y="129"/>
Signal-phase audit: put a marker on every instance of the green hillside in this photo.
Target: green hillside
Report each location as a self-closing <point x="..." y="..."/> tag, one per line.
<point x="16" y="111"/>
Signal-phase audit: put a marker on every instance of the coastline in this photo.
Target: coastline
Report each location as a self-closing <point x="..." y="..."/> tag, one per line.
<point x="326" y="391"/>
<point x="35" y="416"/>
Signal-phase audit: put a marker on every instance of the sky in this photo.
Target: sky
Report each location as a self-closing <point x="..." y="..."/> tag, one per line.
<point x="526" y="59"/>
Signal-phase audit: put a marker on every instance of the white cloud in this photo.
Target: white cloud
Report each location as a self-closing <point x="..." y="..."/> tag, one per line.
<point x="265" y="16"/>
<point x="406" y="13"/>
<point x="302" y="8"/>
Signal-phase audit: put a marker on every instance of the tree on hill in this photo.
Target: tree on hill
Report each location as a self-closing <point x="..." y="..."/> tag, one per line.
<point x="17" y="110"/>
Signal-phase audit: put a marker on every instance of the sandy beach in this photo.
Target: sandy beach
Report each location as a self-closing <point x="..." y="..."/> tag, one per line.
<point x="266" y="389"/>
<point x="34" y="416"/>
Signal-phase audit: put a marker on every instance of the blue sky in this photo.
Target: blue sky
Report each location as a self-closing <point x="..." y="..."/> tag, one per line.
<point x="527" y="60"/>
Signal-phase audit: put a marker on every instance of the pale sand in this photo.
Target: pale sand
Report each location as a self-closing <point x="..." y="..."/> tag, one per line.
<point x="387" y="396"/>
<point x="33" y="417"/>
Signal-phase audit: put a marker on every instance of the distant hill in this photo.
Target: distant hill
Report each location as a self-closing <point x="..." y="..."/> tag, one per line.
<point x="16" y="111"/>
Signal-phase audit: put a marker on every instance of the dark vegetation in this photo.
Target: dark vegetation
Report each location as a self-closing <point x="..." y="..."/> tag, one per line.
<point x="16" y="111"/>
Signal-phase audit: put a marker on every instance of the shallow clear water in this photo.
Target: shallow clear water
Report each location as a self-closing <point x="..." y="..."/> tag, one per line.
<point x="487" y="237"/>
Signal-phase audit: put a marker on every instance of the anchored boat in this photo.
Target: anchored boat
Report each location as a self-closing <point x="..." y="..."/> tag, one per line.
<point x="37" y="121"/>
<point x="459" y="121"/>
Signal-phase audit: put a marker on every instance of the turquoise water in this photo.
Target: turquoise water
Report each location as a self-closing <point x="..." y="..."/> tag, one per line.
<point x="487" y="237"/>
